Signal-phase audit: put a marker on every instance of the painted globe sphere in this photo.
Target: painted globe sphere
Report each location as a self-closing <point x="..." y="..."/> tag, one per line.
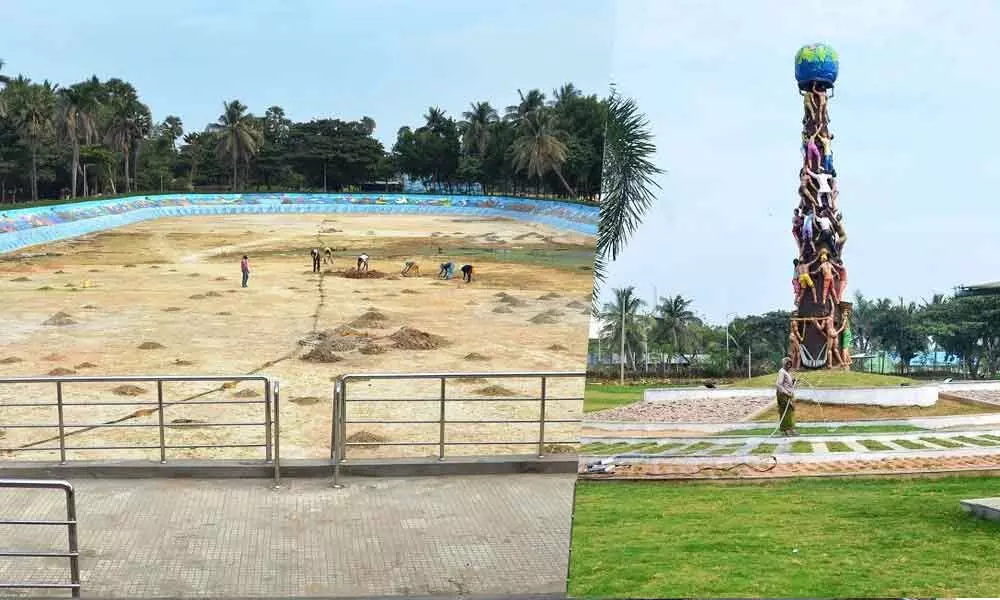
<point x="817" y="63"/>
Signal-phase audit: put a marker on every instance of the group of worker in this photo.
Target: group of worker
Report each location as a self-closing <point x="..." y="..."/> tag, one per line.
<point x="446" y="271"/>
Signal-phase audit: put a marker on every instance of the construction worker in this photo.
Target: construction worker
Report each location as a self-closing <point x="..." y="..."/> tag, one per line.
<point x="363" y="263"/>
<point x="328" y="255"/>
<point x="315" y="259"/>
<point x="467" y="273"/>
<point x="447" y="270"/>
<point x="409" y="266"/>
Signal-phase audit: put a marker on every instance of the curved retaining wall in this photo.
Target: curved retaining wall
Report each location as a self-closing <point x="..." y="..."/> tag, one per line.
<point x="25" y="227"/>
<point x="925" y="395"/>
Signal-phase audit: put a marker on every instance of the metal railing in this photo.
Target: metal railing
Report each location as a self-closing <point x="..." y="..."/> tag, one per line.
<point x="338" y="435"/>
<point x="270" y="421"/>
<point x="73" y="553"/>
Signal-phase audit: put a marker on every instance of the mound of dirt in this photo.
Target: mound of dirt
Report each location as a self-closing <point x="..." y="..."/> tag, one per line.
<point x="557" y="348"/>
<point x="330" y="340"/>
<point x="45" y="288"/>
<point x="60" y="272"/>
<point x="476" y="356"/>
<point x="512" y="301"/>
<point x="321" y="354"/>
<point x="408" y="338"/>
<point x="11" y="360"/>
<point x="371" y="349"/>
<point x="61" y="371"/>
<point x="53" y="357"/>
<point x="409" y="291"/>
<point x="196" y="297"/>
<point x="354" y="274"/>
<point x="224" y="313"/>
<point x="129" y="390"/>
<point x="85" y="365"/>
<point x="348" y="331"/>
<point x="363" y="438"/>
<point x="172" y="309"/>
<point x="548" y="317"/>
<point x="371" y="319"/>
<point x="94" y="271"/>
<point x="247" y="393"/>
<point x="473" y="380"/>
<point x="186" y="422"/>
<point x="550" y="296"/>
<point x="472" y="303"/>
<point x="154" y="266"/>
<point x="213" y="294"/>
<point x="221" y="278"/>
<point x="89" y="307"/>
<point x="20" y="279"/>
<point x="305" y="400"/>
<point x="495" y="390"/>
<point x="60" y="319"/>
<point x="576" y="305"/>
<point x="180" y="362"/>
<point x="151" y="346"/>
<point x="503" y="309"/>
<point x="194" y="274"/>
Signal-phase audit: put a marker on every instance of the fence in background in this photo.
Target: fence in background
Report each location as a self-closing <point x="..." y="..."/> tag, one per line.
<point x="73" y="552"/>
<point x="339" y="443"/>
<point x="270" y="422"/>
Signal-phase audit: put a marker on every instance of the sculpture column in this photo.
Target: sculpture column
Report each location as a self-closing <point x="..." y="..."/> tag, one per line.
<point x="820" y="279"/>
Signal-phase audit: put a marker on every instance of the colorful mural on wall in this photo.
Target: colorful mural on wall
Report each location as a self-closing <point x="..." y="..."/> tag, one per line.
<point x="29" y="226"/>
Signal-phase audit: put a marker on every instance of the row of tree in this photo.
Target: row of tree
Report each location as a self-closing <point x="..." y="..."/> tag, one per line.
<point x="966" y="328"/>
<point x="99" y="137"/>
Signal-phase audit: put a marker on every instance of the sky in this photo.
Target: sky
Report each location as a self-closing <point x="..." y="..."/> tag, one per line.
<point x="387" y="59"/>
<point x="916" y="147"/>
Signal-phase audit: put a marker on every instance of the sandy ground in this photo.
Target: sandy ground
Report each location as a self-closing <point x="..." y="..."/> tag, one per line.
<point x="175" y="284"/>
<point x="688" y="410"/>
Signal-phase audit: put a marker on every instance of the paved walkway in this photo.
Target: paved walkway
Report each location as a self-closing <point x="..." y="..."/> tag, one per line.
<point x="239" y="538"/>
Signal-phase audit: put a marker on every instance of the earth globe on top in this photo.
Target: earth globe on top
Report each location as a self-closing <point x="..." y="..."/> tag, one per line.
<point x="816" y="64"/>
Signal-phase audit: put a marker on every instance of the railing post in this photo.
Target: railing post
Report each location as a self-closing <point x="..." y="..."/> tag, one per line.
<point x="269" y="389"/>
<point x="74" y="546"/>
<point x="441" y="421"/>
<point x="342" y="423"/>
<point x="276" y="388"/>
<point x="163" y="437"/>
<point x="334" y="434"/>
<point x="62" y="424"/>
<point x="541" y="422"/>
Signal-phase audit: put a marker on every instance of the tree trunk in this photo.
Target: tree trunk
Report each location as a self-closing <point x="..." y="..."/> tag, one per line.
<point x="34" y="174"/>
<point x="565" y="185"/>
<point x="234" y="171"/>
<point x="76" y="166"/>
<point x="135" y="165"/>
<point x="324" y="177"/>
<point x="128" y="183"/>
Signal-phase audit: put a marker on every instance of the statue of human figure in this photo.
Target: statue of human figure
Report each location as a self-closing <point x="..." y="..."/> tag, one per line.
<point x="819" y="100"/>
<point x="808" y="232"/>
<point x="826" y="269"/>
<point x="826" y="326"/>
<point x="838" y="227"/>
<point x="795" y="342"/>
<point x="797" y="228"/>
<point x="825" y="235"/>
<point x="805" y="280"/>
<point x="846" y="339"/>
<point x="842" y="272"/>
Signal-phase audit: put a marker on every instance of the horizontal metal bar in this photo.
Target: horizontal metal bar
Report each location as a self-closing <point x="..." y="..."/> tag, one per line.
<point x="459" y="422"/>
<point x="36" y="554"/>
<point x="126" y="403"/>
<point x="39" y="586"/>
<point x="479" y="399"/>
<point x="497" y="375"/>
<point x="31" y="522"/>
<point x="157" y="447"/>
<point x="132" y="425"/>
<point x="50" y="484"/>
<point x="100" y="379"/>
<point x="498" y="443"/>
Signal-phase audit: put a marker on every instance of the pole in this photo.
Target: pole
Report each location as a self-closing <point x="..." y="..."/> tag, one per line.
<point x="749" y="360"/>
<point x="621" y="357"/>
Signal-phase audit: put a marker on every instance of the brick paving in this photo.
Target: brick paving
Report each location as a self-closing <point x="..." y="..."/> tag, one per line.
<point x="239" y="538"/>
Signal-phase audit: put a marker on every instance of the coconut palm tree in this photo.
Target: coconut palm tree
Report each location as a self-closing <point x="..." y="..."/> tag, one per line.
<point x="627" y="181"/>
<point x="674" y="319"/>
<point x="129" y="121"/>
<point x="4" y="80"/>
<point x="32" y="108"/>
<point x="565" y="93"/>
<point x="477" y="128"/>
<point x="75" y="121"/>
<point x="240" y="136"/>
<point x="539" y="148"/>
<point x="531" y="102"/>
<point x="622" y="324"/>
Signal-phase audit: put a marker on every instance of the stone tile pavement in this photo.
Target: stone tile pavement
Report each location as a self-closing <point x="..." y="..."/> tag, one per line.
<point x="431" y="536"/>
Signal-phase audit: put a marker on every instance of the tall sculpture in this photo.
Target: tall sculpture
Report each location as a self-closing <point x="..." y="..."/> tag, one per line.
<point x="821" y="322"/>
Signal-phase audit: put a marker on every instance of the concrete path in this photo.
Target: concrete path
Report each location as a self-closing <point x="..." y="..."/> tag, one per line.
<point x="239" y="538"/>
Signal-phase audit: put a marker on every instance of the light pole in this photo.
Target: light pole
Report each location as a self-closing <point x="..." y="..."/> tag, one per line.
<point x="621" y="357"/>
<point x="728" y="320"/>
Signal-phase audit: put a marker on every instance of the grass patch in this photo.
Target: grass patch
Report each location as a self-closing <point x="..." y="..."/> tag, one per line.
<point x="973" y="441"/>
<point x="697" y="447"/>
<point x="725" y="450"/>
<point x="601" y="397"/>
<point x="765" y="449"/>
<point x="875" y="445"/>
<point x="800" y="447"/>
<point x="838" y="447"/>
<point x="910" y="444"/>
<point x="942" y="442"/>
<point x="855" y="538"/>
<point x="830" y="379"/>
<point x="990" y="436"/>
<point x="816" y="430"/>
<point x="809" y="411"/>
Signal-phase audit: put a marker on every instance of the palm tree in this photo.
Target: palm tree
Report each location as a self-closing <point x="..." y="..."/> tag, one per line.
<point x="129" y="121"/>
<point x="435" y="118"/>
<point x="5" y="81"/>
<point x="565" y="93"/>
<point x="674" y="318"/>
<point x="622" y="325"/>
<point x="75" y="120"/>
<point x="477" y="128"/>
<point x="240" y="136"/>
<point x="32" y="107"/>
<point x="530" y="103"/>
<point x="627" y="181"/>
<point x="172" y="128"/>
<point x="539" y="149"/>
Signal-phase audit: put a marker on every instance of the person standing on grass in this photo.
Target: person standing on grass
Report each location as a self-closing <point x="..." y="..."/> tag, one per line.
<point x="245" y="268"/>
<point x="786" y="398"/>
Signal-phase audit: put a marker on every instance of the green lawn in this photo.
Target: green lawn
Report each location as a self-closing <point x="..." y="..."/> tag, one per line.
<point x="599" y="397"/>
<point x="829" y="379"/>
<point x="812" y="430"/>
<point x="800" y="447"/>
<point x="802" y="538"/>
<point x="875" y="445"/>
<point x="838" y="447"/>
